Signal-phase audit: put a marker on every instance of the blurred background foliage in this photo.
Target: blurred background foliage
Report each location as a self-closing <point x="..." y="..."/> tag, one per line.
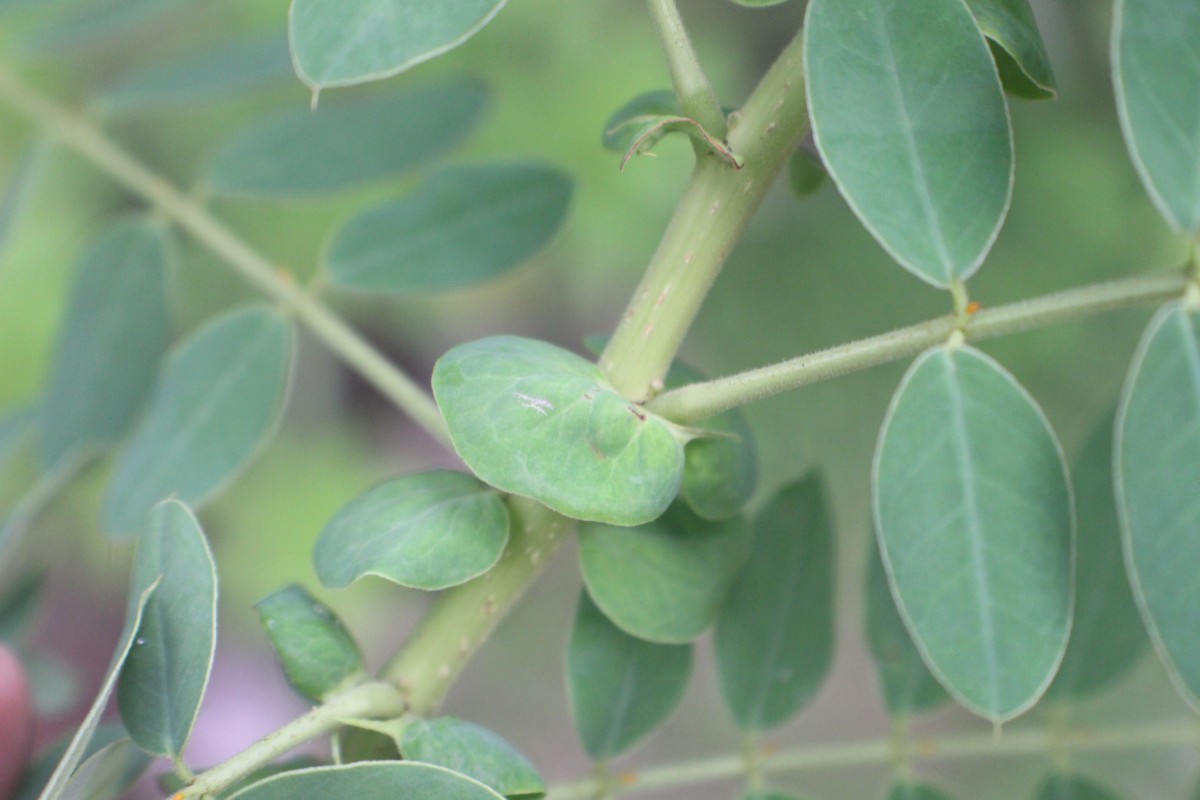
<point x="806" y="276"/>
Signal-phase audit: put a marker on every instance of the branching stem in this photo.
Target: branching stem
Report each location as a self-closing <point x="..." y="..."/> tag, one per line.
<point x="696" y="96"/>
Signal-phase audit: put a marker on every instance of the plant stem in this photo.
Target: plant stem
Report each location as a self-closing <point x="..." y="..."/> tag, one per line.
<point x="696" y="96"/>
<point x="87" y="139"/>
<point x="366" y="700"/>
<point x="691" y="403"/>
<point x="881" y="752"/>
<point x="708" y="221"/>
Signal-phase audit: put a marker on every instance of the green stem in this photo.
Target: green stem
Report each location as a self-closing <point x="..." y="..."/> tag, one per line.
<point x="87" y="139"/>
<point x="708" y="222"/>
<point x="696" y="96"/>
<point x="367" y="700"/>
<point x="694" y="402"/>
<point x="1032" y="742"/>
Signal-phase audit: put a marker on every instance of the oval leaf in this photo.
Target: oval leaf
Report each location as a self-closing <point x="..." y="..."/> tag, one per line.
<point x="1017" y="46"/>
<point x="1158" y="448"/>
<point x="474" y="751"/>
<point x="344" y="42"/>
<point x="343" y="145"/>
<point x="907" y="684"/>
<point x="429" y="531"/>
<point x="1156" y="73"/>
<point x="621" y="687"/>
<point x="115" y="332"/>
<point x="539" y="421"/>
<point x="166" y="673"/>
<point x="107" y="773"/>
<point x="1107" y="636"/>
<point x="973" y="512"/>
<point x="774" y="638"/>
<point x="1073" y="787"/>
<point x="368" y="780"/>
<point x="318" y="654"/>
<point x="217" y="398"/>
<point x="910" y="119"/>
<point x="665" y="581"/>
<point x="462" y="226"/>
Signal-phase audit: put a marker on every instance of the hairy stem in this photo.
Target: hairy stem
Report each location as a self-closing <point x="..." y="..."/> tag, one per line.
<point x="696" y="96"/>
<point x="881" y="752"/>
<point x="699" y="400"/>
<point x="87" y="139"/>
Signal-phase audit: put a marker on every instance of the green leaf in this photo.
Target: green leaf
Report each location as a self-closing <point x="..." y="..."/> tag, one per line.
<point x="633" y="121"/>
<point x="16" y="426"/>
<point x="910" y="119"/>
<point x="217" y="399"/>
<point x="1073" y="787"/>
<point x="38" y="773"/>
<point x="1158" y="448"/>
<point x="1156" y="72"/>
<point x="17" y="189"/>
<point x="464" y="225"/>
<point x="431" y="530"/>
<point x="474" y="751"/>
<point x="665" y="581"/>
<point x="1017" y="46"/>
<point x="169" y="783"/>
<point x="907" y="684"/>
<point x="45" y="491"/>
<point x="167" y="670"/>
<point x="215" y="73"/>
<point x="368" y="780"/>
<point x="621" y="687"/>
<point x="18" y="606"/>
<point x="806" y="173"/>
<point x="78" y="748"/>
<point x="343" y="145"/>
<point x="1107" y="636"/>
<point x="344" y="42"/>
<point x="916" y="791"/>
<point x="116" y="330"/>
<point x="98" y="23"/>
<point x="973" y="512"/>
<point x="774" y="637"/>
<point x="107" y="773"/>
<point x="759" y="3"/>
<point x="55" y="684"/>
<point x="539" y="421"/>
<point x="318" y="654"/>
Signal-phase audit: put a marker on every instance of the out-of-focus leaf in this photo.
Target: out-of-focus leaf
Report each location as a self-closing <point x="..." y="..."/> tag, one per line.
<point x="774" y="637"/>
<point x="338" y="146"/>
<point x="759" y="3"/>
<point x="318" y="654"/>
<point x="1017" y="46"/>
<point x="17" y="189"/>
<point x="806" y="173"/>
<point x="633" y="121"/>
<point x="474" y="751"/>
<point x="910" y="119"/>
<point x="430" y="530"/>
<point x="107" y="773"/>
<point x="621" y="687"/>
<point x="37" y="499"/>
<point x="973" y="511"/>
<point x="55" y="684"/>
<point x="665" y="581"/>
<point x="1073" y="787"/>
<point x="1158" y="448"/>
<point x="217" y="72"/>
<point x="368" y="780"/>
<point x="217" y="399"/>
<point x="15" y="427"/>
<point x="1107" y="636"/>
<point x="1156" y="73"/>
<point x="166" y="672"/>
<point x="97" y="23"/>
<point x="464" y="225"/>
<point x="907" y="684"/>
<point x="18" y="605"/>
<point x="344" y="42"/>
<point x="115" y="332"/>
<point x="916" y="791"/>
<point x="38" y="773"/>
<point x="539" y="421"/>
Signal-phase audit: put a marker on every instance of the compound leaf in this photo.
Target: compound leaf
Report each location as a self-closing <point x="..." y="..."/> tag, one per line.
<point x="166" y="673"/>
<point x="343" y="145"/>
<point x="474" y="751"/>
<point x="1158" y="448"/>
<point x="910" y="119"/>
<point x="536" y="420"/>
<point x="318" y="654"/>
<point x="774" y="637"/>
<point x="1156" y="71"/>
<point x="463" y="225"/>
<point x="621" y="687"/>
<point x="431" y="530"/>
<point x="665" y="581"/>
<point x="973" y="512"/>
<point x="115" y="332"/>
<point x="217" y="398"/>
<point x="1017" y="46"/>
<point x="368" y="780"/>
<point x="344" y="42"/>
